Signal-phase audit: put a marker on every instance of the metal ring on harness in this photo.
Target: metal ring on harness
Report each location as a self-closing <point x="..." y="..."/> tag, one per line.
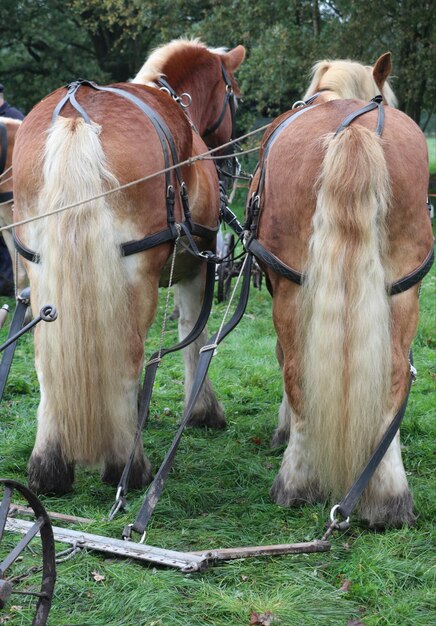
<point x="333" y="519"/>
<point x="188" y="102"/>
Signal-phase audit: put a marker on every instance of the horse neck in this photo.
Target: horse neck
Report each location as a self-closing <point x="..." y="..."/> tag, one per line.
<point x="203" y="110"/>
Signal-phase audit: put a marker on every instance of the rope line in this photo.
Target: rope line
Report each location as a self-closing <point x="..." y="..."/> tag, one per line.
<point x="4" y="174"/>
<point x="200" y="157"/>
<point x="3" y="182"/>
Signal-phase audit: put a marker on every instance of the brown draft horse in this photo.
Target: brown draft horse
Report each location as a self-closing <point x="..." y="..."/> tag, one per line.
<point x="8" y="131"/>
<point x="89" y="361"/>
<point x="349" y="211"/>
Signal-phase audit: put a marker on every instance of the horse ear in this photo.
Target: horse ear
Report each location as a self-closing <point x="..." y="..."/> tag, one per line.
<point x="235" y="57"/>
<point x="382" y="68"/>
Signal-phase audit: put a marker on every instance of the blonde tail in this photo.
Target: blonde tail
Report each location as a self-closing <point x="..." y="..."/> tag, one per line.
<point x="344" y="309"/>
<point x="86" y="393"/>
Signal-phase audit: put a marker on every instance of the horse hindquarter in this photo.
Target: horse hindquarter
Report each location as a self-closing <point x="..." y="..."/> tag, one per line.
<point x="346" y="320"/>
<point x="335" y="331"/>
<point x="88" y="394"/>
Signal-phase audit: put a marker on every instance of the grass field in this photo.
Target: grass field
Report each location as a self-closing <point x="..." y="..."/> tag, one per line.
<point x="431" y="143"/>
<point x="217" y="496"/>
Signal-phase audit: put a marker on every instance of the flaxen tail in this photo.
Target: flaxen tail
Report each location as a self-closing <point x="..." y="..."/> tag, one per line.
<point x="345" y="310"/>
<point x="81" y="356"/>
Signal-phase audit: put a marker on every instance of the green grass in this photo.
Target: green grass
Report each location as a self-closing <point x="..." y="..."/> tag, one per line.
<point x="431" y="143"/>
<point x="217" y="496"/>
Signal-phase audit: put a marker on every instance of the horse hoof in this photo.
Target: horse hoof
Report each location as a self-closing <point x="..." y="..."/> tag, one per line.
<point x="140" y="475"/>
<point x="50" y="474"/>
<point x="392" y="512"/>
<point x="211" y="416"/>
<point x="280" y="438"/>
<point x="288" y="496"/>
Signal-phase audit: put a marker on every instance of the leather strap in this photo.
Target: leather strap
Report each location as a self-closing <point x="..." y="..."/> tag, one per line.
<point x="150" y="375"/>
<point x="130" y="247"/>
<point x="403" y="284"/>
<point x="23" y="302"/>
<point x="376" y="103"/>
<point x="270" y="259"/>
<point x="144" y="515"/>
<point x="6" y="196"/>
<point x="347" y="504"/>
<point x="400" y="285"/>
<point x="228" y="100"/>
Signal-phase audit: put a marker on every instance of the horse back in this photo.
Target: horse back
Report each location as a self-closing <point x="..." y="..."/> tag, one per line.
<point x="130" y="143"/>
<point x="292" y="170"/>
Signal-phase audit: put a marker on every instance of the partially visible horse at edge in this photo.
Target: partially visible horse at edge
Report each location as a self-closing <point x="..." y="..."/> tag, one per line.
<point x="347" y="211"/>
<point x="89" y="361"/>
<point x="8" y="131"/>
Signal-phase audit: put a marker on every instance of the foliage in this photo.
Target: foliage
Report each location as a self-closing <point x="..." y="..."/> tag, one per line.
<point x="42" y="47"/>
<point x="46" y="43"/>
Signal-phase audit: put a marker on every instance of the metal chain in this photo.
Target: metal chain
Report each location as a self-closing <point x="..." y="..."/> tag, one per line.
<point x="60" y="557"/>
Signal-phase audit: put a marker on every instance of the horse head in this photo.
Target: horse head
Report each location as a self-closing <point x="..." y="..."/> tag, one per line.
<point x="343" y="79"/>
<point x="203" y="80"/>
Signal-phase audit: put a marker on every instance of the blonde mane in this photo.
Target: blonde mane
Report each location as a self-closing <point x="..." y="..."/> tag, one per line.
<point x="347" y="79"/>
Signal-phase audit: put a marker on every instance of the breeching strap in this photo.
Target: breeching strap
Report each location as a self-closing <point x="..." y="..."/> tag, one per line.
<point x="271" y="260"/>
<point x="206" y="354"/>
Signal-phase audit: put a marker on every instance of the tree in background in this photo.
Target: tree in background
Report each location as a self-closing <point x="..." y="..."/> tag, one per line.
<point x="42" y="47"/>
<point x="47" y="43"/>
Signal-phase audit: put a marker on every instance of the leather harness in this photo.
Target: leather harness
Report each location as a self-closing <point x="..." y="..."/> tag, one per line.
<point x="253" y="245"/>
<point x="173" y="231"/>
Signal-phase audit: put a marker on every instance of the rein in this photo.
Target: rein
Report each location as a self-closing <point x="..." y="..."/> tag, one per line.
<point x="347" y="504"/>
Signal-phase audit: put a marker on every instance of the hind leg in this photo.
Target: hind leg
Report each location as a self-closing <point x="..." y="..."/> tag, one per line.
<point x="49" y="471"/>
<point x="140" y="475"/>
<point x="189" y="293"/>
<point x="118" y="454"/>
<point x="295" y="482"/>
<point x="283" y="430"/>
<point x="387" y="500"/>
